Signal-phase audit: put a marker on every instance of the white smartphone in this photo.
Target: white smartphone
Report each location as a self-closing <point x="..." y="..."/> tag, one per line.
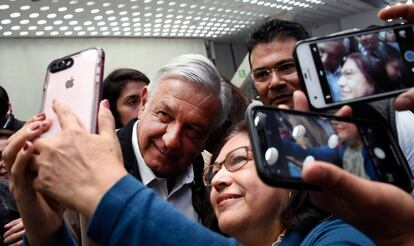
<point x="356" y="66"/>
<point x="75" y="80"/>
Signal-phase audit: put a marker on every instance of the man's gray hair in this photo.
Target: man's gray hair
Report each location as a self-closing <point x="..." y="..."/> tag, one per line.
<point x="199" y="71"/>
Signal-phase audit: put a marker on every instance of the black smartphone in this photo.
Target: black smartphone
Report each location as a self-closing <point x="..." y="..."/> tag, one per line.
<point x="356" y="66"/>
<point x="283" y="141"/>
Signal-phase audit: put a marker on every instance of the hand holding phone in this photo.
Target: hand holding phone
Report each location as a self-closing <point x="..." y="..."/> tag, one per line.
<point x="283" y="141"/>
<point x="356" y="66"/>
<point x="75" y="80"/>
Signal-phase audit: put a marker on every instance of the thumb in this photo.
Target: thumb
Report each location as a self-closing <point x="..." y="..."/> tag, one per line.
<point x="300" y="102"/>
<point x="106" y="122"/>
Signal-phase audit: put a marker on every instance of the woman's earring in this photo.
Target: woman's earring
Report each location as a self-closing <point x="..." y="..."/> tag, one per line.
<point x="290" y="194"/>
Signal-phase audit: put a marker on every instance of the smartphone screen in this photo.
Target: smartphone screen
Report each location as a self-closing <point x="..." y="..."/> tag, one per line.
<point x="286" y="140"/>
<point x="365" y="64"/>
<point x="75" y="80"/>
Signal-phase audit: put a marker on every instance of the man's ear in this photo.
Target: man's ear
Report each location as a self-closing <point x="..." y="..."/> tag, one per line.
<point x="144" y="100"/>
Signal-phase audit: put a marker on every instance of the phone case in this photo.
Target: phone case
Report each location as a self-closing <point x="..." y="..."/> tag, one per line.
<point x="78" y="84"/>
<point x="270" y="156"/>
<point x="360" y="100"/>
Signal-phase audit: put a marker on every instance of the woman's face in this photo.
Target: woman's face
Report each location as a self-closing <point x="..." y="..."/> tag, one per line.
<point x="241" y="201"/>
<point x="129" y="100"/>
<point x="346" y="131"/>
<point x="353" y="83"/>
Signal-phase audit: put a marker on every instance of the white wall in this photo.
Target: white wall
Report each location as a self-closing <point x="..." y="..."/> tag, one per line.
<point x="24" y="61"/>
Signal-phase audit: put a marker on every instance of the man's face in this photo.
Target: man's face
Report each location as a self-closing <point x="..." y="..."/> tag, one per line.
<point x="174" y="125"/>
<point x="331" y="54"/>
<point x="276" y="89"/>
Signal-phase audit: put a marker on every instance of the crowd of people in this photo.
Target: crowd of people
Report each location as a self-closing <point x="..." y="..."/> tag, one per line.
<point x="148" y="183"/>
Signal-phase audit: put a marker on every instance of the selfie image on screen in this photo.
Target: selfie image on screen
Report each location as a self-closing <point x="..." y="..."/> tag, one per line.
<point x="301" y="139"/>
<point x="366" y="64"/>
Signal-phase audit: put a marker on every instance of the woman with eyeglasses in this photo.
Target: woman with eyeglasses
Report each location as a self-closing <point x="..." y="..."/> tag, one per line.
<point x="257" y="214"/>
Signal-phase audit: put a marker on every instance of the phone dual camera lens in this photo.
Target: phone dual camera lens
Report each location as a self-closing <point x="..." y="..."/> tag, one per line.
<point x="61" y="65"/>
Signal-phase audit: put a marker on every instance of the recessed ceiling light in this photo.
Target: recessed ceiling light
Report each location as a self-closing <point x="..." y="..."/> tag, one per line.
<point x="15" y="15"/>
<point x="73" y="22"/>
<point x="98" y="17"/>
<point x="94" y="33"/>
<point x="171" y="3"/>
<point x="62" y="9"/>
<point x="135" y="7"/>
<point x="123" y="13"/>
<point x="95" y="11"/>
<point x="87" y="23"/>
<point x="63" y="28"/>
<point x="25" y="7"/>
<point x="8" y="33"/>
<point x="125" y="24"/>
<point x="147" y="14"/>
<point x="79" y="10"/>
<point x="44" y="8"/>
<point x="32" y="28"/>
<point x="24" y="33"/>
<point x="136" y="13"/>
<point x="125" y="18"/>
<point x="113" y="23"/>
<point x="136" y="19"/>
<point x="147" y="1"/>
<point x="48" y="28"/>
<point x="58" y="22"/>
<point x="106" y="4"/>
<point x="90" y="3"/>
<point x="109" y="12"/>
<point x="54" y="33"/>
<point x="105" y="33"/>
<point x="73" y="2"/>
<point x="104" y="28"/>
<point x="121" y="5"/>
<point x="147" y="25"/>
<point x="5" y="21"/>
<point x="101" y="23"/>
<point x="15" y="28"/>
<point x="147" y="33"/>
<point x="91" y="28"/>
<point x="77" y="28"/>
<point x="34" y="15"/>
<point x="68" y="16"/>
<point x="160" y="2"/>
<point x="127" y="29"/>
<point x="117" y="33"/>
<point x="147" y="29"/>
<point x="127" y="33"/>
<point x="24" y="22"/>
<point x="51" y="16"/>
<point x="68" y="33"/>
<point x="137" y="24"/>
<point x="81" y="33"/>
<point x="39" y="33"/>
<point x="115" y="28"/>
<point x="4" y="6"/>
<point x="112" y="18"/>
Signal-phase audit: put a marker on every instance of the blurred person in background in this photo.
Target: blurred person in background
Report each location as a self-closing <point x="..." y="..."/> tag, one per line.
<point x="123" y="87"/>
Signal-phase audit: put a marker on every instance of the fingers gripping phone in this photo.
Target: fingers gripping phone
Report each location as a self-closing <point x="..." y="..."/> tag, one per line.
<point x="75" y="80"/>
<point x="283" y="141"/>
<point x="356" y="66"/>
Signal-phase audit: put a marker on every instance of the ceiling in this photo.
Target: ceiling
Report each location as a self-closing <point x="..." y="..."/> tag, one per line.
<point x="211" y="19"/>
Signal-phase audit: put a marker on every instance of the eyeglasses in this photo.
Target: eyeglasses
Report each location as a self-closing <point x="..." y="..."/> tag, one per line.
<point x="234" y="160"/>
<point x="283" y="70"/>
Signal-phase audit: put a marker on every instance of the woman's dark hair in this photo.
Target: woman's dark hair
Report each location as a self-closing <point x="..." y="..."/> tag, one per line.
<point x="115" y="82"/>
<point x="373" y="70"/>
<point x="300" y="214"/>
